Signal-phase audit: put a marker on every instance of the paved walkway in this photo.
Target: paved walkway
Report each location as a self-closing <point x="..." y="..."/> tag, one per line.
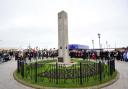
<point x="7" y="81"/>
<point x="6" y="76"/>
<point x="122" y="83"/>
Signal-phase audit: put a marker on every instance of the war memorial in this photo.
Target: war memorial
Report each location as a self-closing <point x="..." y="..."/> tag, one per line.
<point x="63" y="71"/>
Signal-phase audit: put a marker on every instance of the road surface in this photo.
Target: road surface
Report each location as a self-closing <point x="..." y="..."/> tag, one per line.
<point x="122" y="83"/>
<point x="6" y="76"/>
<point x="7" y="81"/>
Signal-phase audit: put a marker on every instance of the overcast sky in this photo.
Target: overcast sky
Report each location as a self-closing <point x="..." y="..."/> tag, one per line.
<point x="35" y="22"/>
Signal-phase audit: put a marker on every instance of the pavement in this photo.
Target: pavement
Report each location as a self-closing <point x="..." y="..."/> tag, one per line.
<point x="6" y="76"/>
<point x="8" y="82"/>
<point x="122" y="83"/>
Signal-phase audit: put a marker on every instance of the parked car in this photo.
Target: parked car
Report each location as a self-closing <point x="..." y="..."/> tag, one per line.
<point x="6" y="57"/>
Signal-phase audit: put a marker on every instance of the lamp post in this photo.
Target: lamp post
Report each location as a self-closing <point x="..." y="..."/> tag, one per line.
<point x="99" y="40"/>
<point x="93" y="44"/>
<point x="99" y="44"/>
<point x="106" y="44"/>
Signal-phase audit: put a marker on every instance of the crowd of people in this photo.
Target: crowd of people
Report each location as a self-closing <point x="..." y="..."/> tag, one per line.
<point x="103" y="55"/>
<point x="35" y="54"/>
<point x="6" y="55"/>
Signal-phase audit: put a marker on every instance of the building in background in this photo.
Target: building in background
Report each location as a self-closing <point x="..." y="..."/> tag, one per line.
<point x="77" y="47"/>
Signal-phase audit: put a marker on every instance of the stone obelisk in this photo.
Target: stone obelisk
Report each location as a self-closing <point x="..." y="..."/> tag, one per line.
<point x="63" y="37"/>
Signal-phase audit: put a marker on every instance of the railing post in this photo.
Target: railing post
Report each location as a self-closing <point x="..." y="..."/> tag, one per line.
<point x="81" y="73"/>
<point x="36" y="72"/>
<point x="100" y="70"/>
<point x="114" y="65"/>
<point x="22" y="69"/>
<point x="31" y="70"/>
<point x="111" y="67"/>
<point x="56" y="73"/>
<point x="108" y="62"/>
<point x="18" y="66"/>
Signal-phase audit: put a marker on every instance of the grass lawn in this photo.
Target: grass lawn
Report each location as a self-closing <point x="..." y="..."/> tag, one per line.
<point x="88" y="80"/>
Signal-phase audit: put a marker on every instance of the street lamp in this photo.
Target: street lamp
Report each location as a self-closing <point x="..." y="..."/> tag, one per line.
<point x="106" y="44"/>
<point x="99" y="40"/>
<point x="93" y="44"/>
